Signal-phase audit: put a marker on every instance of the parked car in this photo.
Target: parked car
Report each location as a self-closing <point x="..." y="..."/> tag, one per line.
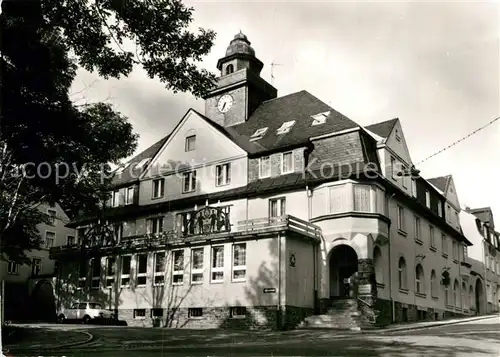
<point x="86" y="312"/>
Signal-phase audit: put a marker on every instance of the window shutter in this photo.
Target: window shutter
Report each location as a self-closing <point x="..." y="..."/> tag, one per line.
<point x="121" y="200"/>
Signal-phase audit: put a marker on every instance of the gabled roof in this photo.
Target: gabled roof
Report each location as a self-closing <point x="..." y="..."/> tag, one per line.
<point x="440" y="182"/>
<point x="383" y="128"/>
<point x="470" y="228"/>
<point x="130" y="173"/>
<point x="484" y="214"/>
<point x="298" y="107"/>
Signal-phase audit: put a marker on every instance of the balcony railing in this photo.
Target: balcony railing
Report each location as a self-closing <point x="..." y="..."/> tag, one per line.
<point x="241" y="229"/>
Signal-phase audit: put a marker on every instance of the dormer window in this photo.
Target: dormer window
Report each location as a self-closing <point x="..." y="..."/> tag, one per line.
<point x="142" y="163"/>
<point x="259" y="134"/>
<point x="398" y="137"/>
<point x="190" y="143"/>
<point x="229" y="69"/>
<point x="319" y="118"/>
<point x="285" y="127"/>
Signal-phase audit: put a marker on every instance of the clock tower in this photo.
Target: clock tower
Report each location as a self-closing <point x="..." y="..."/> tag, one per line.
<point x="240" y="89"/>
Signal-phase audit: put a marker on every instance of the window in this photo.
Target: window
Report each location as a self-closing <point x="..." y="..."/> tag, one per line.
<point x="440" y="209"/>
<point x="159" y="268"/>
<point x="393" y="168"/>
<point x="223" y="174"/>
<point x="402" y="273"/>
<point x="434" y="284"/>
<point x="319" y="118"/>
<point x="417" y="229"/>
<point x="471" y="297"/>
<point x="340" y="199"/>
<point x="189" y="181"/>
<point x="156" y="313"/>
<point x="190" y="143"/>
<point x="110" y="271"/>
<point x="126" y="263"/>
<point x="265" y="167"/>
<point x="13" y="268"/>
<point x="378" y="265"/>
<point x="195" y="312"/>
<point x="178" y="269"/>
<point x="404" y="177"/>
<point x="239" y="261"/>
<point x="454" y="247"/>
<point x="238" y="311"/>
<point x="70" y="240"/>
<point x="432" y="236"/>
<point x="401" y="219"/>
<point x="95" y="282"/>
<point x="154" y="225"/>
<point x="52" y="216"/>
<point x="457" y="222"/>
<point x="285" y="127"/>
<point x="36" y="266"/>
<point x="413" y="187"/>
<point x="427" y="199"/>
<point x="362" y="198"/>
<point x="142" y="269"/>
<point x="259" y="133"/>
<point x="398" y="137"/>
<point x="456" y="301"/>
<point x="197" y="265"/>
<point x="118" y="232"/>
<point x="115" y="200"/>
<point x="444" y="244"/>
<point x="218" y="263"/>
<point x="50" y="238"/>
<point x="82" y="274"/>
<point x="419" y="279"/>
<point x="158" y="188"/>
<point x="229" y="69"/>
<point x="287" y="164"/>
<point x="277" y="207"/>
<point x="464" y="296"/>
<point x="139" y="313"/>
<point x="130" y="196"/>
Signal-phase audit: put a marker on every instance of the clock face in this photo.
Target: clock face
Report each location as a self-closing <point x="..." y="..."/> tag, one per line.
<point x="225" y="103"/>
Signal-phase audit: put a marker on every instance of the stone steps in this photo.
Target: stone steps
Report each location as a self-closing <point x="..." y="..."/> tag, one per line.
<point x="342" y="315"/>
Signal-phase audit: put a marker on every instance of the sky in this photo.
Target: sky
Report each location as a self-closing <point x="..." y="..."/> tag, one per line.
<point x="435" y="66"/>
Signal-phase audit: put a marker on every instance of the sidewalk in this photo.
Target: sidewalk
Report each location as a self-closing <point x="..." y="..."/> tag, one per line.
<point x="38" y="338"/>
<point x="430" y="324"/>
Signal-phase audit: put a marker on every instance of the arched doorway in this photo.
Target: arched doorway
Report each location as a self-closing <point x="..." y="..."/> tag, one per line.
<point x="479" y="297"/>
<point x="43" y="302"/>
<point x="343" y="264"/>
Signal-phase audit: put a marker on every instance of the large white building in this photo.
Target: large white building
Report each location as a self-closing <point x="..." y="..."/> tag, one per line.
<point x="273" y="211"/>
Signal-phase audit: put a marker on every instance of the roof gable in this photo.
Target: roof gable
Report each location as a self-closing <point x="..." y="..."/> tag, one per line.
<point x="382" y="129"/>
<point x="396" y="142"/>
<point x="303" y="110"/>
<point x="484" y="214"/>
<point x="212" y="143"/>
<point x="446" y="185"/>
<point x="440" y="182"/>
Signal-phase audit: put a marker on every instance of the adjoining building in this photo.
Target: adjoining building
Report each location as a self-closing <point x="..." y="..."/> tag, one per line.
<point x="28" y="289"/>
<point x="271" y="211"/>
<point x="479" y="227"/>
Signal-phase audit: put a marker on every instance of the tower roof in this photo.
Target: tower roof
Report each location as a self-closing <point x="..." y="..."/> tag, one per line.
<point x="240" y="45"/>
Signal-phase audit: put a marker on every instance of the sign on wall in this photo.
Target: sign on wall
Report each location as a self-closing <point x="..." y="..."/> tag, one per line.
<point x="269" y="290"/>
<point x="365" y="289"/>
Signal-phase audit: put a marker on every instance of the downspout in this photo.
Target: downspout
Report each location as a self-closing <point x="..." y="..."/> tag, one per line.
<point x="280" y="324"/>
<point x="393" y="305"/>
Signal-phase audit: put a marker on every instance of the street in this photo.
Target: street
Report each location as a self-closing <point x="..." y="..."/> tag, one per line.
<point x="478" y="338"/>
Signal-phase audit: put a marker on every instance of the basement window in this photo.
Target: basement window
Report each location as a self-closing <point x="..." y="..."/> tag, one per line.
<point x="238" y="312"/>
<point x="320" y="118"/>
<point x="259" y="134"/>
<point x="139" y="313"/>
<point x="285" y="127"/>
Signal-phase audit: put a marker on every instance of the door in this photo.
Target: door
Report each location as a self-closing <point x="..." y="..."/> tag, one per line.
<point x="344" y="282"/>
<point x="81" y="311"/>
<point x="71" y="313"/>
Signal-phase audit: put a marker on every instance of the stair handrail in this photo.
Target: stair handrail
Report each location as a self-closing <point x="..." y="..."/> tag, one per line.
<point x="364" y="302"/>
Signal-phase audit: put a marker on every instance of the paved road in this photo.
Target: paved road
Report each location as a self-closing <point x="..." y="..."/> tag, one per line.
<point x="472" y="339"/>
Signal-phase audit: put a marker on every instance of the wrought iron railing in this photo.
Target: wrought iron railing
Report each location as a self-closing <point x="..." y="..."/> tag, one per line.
<point x="151" y="241"/>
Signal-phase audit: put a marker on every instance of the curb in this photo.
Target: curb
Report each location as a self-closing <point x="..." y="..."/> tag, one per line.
<point x="54" y="347"/>
<point x="444" y="323"/>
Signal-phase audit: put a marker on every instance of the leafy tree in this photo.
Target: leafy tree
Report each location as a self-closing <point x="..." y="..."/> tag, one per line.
<point x="51" y="150"/>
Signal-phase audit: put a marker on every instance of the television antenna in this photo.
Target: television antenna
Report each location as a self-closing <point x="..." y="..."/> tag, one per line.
<point x="273" y="64"/>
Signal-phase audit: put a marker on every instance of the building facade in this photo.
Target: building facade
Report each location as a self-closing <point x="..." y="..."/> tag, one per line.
<point x="485" y="253"/>
<point x="28" y="288"/>
<point x="267" y="211"/>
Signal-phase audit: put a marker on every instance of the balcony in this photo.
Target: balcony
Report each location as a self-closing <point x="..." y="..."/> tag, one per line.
<point x="187" y="233"/>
